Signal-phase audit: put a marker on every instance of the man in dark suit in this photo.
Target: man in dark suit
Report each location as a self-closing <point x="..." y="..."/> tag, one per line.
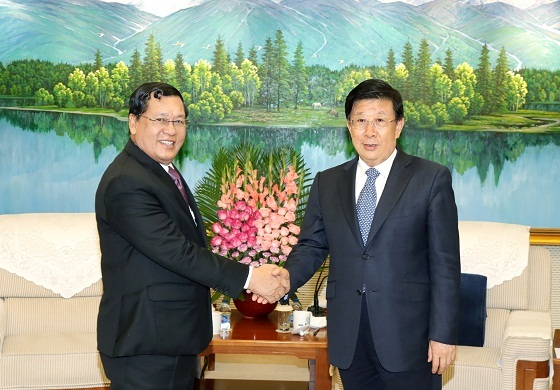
<point x="154" y="317"/>
<point x="393" y="292"/>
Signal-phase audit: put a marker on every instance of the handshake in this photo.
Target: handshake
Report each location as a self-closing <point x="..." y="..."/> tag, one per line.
<point x="269" y="283"/>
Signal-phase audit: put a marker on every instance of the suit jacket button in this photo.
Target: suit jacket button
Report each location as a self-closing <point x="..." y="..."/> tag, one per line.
<point x="365" y="256"/>
<point x="359" y="292"/>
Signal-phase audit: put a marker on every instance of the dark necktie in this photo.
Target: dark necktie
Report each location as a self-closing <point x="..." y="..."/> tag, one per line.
<point x="367" y="202"/>
<point x="177" y="179"/>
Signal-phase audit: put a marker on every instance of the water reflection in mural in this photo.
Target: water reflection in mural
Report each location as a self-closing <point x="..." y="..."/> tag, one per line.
<point x="52" y="162"/>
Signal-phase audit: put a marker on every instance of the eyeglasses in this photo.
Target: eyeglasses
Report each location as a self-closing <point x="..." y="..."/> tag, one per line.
<point x="162" y="122"/>
<point x="361" y="124"/>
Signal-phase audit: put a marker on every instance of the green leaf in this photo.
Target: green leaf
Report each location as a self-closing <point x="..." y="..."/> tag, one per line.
<point x="247" y="156"/>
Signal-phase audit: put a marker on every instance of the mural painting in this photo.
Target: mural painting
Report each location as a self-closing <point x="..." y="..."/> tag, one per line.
<point x="480" y="80"/>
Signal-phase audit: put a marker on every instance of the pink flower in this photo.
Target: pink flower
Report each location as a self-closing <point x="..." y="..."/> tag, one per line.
<point x="292" y="240"/>
<point x="216" y="241"/>
<point x="294" y="229"/>
<point x="271" y="203"/>
<point x="236" y="242"/>
<point x="274" y="248"/>
<point x="290" y="205"/>
<point x="286" y="249"/>
<point x="216" y="227"/>
<point x="224" y="232"/>
<point x="251" y="226"/>
<point x="259" y="223"/>
<point x="290" y="216"/>
<point x="236" y="224"/>
<point x="246" y="260"/>
<point x="265" y="244"/>
<point x="240" y="206"/>
<point x="291" y="175"/>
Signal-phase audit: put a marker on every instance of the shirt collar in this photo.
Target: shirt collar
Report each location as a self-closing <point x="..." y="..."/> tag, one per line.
<point x="166" y="167"/>
<point x="384" y="168"/>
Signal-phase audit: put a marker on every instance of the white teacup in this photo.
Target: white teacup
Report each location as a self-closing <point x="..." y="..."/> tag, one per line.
<point x="302" y="318"/>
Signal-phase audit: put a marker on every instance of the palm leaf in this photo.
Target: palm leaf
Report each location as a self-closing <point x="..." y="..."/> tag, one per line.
<point x="246" y="156"/>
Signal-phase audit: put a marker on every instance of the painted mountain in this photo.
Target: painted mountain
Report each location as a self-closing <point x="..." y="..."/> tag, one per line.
<point x="333" y="33"/>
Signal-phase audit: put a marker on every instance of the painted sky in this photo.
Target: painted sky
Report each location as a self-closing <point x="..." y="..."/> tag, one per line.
<point x="163" y="8"/>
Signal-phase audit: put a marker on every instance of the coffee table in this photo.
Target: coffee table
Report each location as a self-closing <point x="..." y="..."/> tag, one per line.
<point x="259" y="336"/>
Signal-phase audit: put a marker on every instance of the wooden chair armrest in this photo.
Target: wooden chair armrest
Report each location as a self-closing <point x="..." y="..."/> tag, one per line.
<point x="528" y="371"/>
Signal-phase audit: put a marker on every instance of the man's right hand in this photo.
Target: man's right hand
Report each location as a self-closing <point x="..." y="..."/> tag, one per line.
<point x="269" y="283"/>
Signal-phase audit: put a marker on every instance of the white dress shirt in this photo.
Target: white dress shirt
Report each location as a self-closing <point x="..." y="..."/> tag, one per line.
<point x="384" y="168"/>
<point x="166" y="167"/>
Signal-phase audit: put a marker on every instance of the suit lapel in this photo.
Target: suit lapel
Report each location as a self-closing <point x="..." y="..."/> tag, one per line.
<point x="167" y="181"/>
<point x="195" y="211"/>
<point x="396" y="183"/>
<point x="346" y="190"/>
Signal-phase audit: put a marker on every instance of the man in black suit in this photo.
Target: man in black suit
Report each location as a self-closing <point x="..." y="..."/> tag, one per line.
<point x="154" y="317"/>
<point x="393" y="289"/>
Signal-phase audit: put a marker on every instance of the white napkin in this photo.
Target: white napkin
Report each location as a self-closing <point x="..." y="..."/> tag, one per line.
<point x="318" y="322"/>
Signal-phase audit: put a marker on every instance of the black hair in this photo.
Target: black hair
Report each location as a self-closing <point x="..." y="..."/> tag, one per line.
<point x="138" y="103"/>
<point x="375" y="89"/>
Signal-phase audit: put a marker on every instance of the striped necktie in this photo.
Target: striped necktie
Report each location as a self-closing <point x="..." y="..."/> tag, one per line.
<point x="177" y="179"/>
<point x="367" y="202"/>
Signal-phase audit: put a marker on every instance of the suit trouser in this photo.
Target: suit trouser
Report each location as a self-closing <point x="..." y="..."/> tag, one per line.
<point x="150" y="372"/>
<point x="366" y="372"/>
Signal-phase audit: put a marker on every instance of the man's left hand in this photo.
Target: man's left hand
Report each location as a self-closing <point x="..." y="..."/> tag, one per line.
<point x="441" y="355"/>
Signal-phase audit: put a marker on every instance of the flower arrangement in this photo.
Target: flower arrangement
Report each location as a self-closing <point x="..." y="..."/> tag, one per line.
<point x="257" y="217"/>
<point x="252" y="203"/>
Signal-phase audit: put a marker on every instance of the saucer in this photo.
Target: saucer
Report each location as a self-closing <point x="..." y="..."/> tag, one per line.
<point x="300" y="330"/>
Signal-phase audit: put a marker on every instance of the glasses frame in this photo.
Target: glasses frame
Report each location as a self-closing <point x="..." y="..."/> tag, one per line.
<point x="367" y="122"/>
<point x="163" y="123"/>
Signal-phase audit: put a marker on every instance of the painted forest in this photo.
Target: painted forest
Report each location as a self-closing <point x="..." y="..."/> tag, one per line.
<point x="436" y="92"/>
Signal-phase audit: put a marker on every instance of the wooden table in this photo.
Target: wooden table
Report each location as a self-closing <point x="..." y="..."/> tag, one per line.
<point x="556" y="361"/>
<point x="259" y="336"/>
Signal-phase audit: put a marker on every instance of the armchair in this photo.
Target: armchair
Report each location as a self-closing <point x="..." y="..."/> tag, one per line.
<point x="48" y="316"/>
<point x="517" y="346"/>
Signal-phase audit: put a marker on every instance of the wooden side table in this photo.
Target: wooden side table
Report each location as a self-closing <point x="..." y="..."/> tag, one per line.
<point x="259" y="336"/>
<point x="556" y="361"/>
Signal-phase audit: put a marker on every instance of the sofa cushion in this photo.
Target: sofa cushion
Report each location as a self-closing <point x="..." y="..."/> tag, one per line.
<point x="474" y="368"/>
<point x="496" y="321"/>
<point x="49" y="344"/>
<point x="472" y="315"/>
<point x="540" y="279"/>
<point x="51" y="315"/>
<point x="51" y="361"/>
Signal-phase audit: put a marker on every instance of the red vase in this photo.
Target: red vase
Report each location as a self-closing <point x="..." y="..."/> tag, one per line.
<point x="252" y="309"/>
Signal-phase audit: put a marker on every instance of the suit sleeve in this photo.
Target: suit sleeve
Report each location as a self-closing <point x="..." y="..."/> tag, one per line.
<point x="312" y="247"/>
<point x="134" y="211"/>
<point x="445" y="266"/>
